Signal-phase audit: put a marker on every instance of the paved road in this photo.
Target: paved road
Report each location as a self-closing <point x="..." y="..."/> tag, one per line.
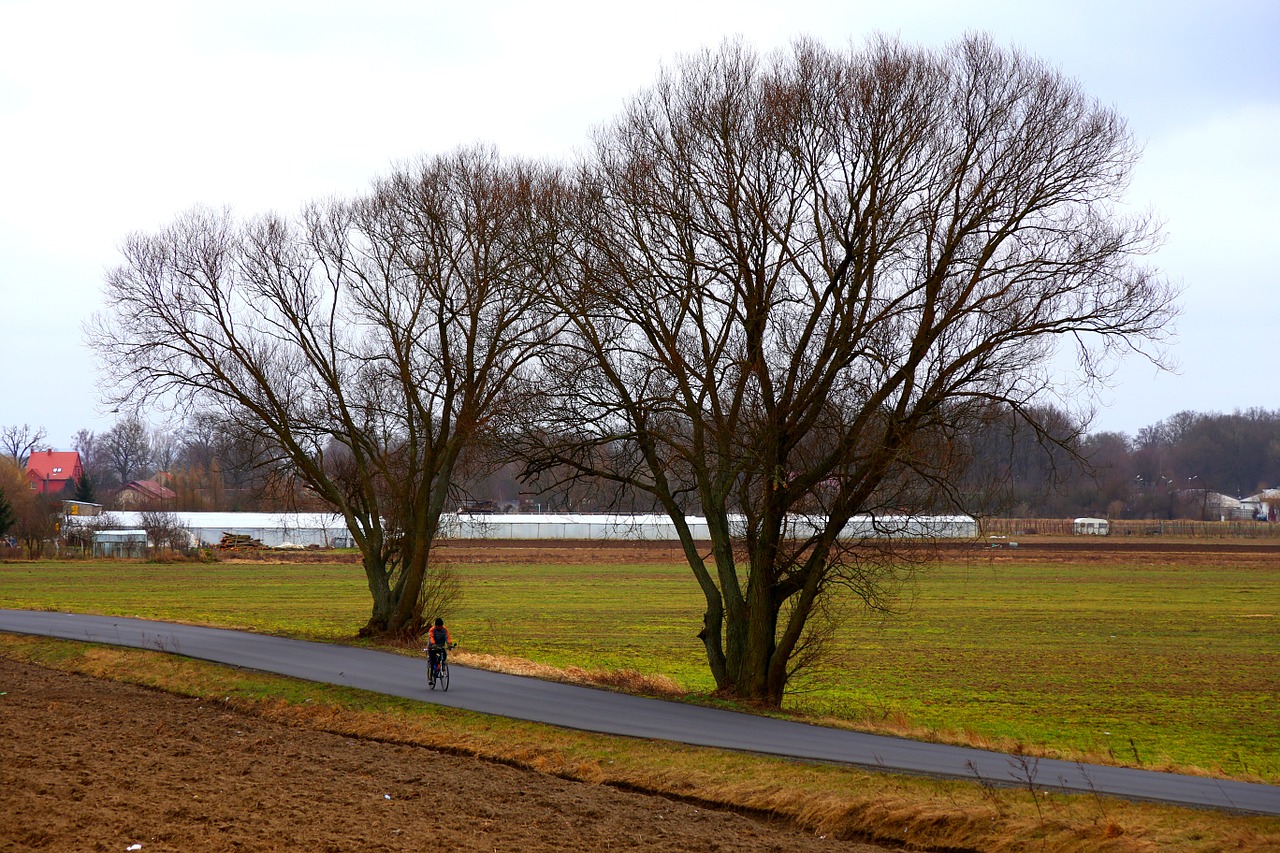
<point x="618" y="714"/>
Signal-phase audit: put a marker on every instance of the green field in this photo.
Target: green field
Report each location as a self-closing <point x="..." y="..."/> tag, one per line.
<point x="1156" y="662"/>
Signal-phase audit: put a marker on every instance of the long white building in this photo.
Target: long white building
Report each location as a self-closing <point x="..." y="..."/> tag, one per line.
<point x="273" y="529"/>
<point x="662" y="528"/>
<point x="327" y="530"/>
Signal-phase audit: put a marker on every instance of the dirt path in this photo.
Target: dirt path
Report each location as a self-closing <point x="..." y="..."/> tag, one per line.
<point x="90" y="764"/>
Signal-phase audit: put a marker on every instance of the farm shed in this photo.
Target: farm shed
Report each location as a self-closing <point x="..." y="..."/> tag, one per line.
<point x="1090" y="527"/>
<point x="660" y="528"/>
<point x="119" y="543"/>
<point x="566" y="526"/>
<point x="911" y="527"/>
<point x="326" y="530"/>
<point x="273" y="529"/>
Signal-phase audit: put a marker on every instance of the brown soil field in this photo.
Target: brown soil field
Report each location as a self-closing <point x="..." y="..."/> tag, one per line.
<point x="1130" y="551"/>
<point x="1033" y="548"/>
<point x="89" y="764"/>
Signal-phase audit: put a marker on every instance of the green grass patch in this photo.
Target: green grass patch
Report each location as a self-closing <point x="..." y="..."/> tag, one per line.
<point x="1152" y="664"/>
<point x="1164" y="665"/>
<point x="315" y="601"/>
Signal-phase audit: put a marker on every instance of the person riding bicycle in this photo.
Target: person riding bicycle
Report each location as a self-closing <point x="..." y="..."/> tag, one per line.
<point x="438" y="641"/>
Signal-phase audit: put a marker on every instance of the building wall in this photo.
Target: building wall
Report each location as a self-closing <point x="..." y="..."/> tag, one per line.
<point x="328" y="531"/>
<point x="661" y="528"/>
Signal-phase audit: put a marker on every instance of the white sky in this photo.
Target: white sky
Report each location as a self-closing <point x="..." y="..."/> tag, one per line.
<point x="115" y="117"/>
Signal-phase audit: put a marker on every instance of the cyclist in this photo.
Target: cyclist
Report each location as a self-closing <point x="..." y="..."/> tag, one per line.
<point x="438" y="641"/>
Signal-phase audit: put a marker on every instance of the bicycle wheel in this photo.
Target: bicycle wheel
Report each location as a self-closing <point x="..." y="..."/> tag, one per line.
<point x="431" y="682"/>
<point x="443" y="677"/>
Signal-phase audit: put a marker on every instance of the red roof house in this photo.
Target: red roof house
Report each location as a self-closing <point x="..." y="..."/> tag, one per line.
<point x="144" y="493"/>
<point x="49" y="471"/>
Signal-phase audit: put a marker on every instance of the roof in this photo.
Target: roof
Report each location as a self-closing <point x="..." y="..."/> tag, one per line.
<point x="319" y="528"/>
<point x="246" y="520"/>
<point x="151" y="489"/>
<point x="53" y="464"/>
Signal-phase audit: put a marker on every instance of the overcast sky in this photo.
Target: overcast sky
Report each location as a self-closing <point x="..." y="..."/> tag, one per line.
<point x="115" y="117"/>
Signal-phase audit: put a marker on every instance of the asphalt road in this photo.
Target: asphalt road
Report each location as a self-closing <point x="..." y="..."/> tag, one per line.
<point x="618" y="714"/>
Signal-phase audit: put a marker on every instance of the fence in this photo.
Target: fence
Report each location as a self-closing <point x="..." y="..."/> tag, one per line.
<point x="1180" y="527"/>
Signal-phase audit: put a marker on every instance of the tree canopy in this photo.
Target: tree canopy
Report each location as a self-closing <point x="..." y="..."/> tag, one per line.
<point x="797" y="281"/>
<point x="358" y="347"/>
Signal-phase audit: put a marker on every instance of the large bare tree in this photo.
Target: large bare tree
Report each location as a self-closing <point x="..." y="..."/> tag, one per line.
<point x="17" y="442"/>
<point x="362" y="345"/>
<point x="796" y="281"/>
<point x="126" y="449"/>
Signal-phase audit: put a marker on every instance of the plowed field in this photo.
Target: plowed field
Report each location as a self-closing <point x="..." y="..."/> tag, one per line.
<point x="89" y="764"/>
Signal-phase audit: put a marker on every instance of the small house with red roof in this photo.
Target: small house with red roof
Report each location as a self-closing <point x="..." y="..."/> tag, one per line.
<point x="51" y="471"/>
<point x="144" y="493"/>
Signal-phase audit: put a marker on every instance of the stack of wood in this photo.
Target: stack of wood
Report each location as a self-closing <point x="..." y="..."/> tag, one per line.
<point x="238" y="542"/>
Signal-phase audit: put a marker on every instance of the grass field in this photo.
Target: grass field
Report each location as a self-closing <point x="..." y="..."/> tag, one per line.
<point x="1162" y="661"/>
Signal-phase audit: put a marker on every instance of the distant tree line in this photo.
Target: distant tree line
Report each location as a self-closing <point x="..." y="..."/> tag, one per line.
<point x="1055" y="469"/>
<point x="1170" y="469"/>
<point x="1161" y="472"/>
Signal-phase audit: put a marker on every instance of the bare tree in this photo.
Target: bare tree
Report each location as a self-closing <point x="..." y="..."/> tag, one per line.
<point x="165" y="447"/>
<point x="18" y="441"/>
<point x="1023" y="462"/>
<point x="126" y="448"/>
<point x="165" y="531"/>
<point x="86" y="442"/>
<point x="796" y="282"/>
<point x="363" y="344"/>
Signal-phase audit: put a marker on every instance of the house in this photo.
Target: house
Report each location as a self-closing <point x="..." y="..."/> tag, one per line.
<point x="1264" y="506"/>
<point x="144" y="493"/>
<point x="51" y="471"/>
<point x="81" y="508"/>
<point x="1215" y="506"/>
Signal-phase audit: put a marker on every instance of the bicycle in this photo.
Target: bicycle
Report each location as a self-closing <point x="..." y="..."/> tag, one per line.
<point x="439" y="674"/>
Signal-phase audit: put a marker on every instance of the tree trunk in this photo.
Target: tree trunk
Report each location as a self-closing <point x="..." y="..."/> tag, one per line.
<point x="375" y="569"/>
<point x="407" y="614"/>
